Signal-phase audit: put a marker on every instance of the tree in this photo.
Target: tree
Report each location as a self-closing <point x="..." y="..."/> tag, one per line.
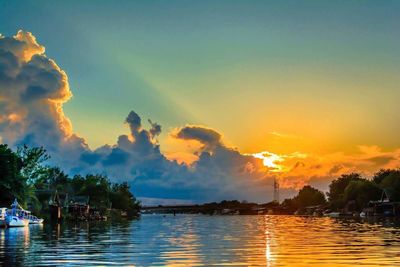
<point x="122" y="198"/>
<point x="361" y="191"/>
<point x="389" y="180"/>
<point x="52" y="178"/>
<point x="97" y="187"/>
<point x="24" y="176"/>
<point x="12" y="183"/>
<point x="309" y="196"/>
<point x="32" y="162"/>
<point x="382" y="174"/>
<point x="337" y="187"/>
<point x="289" y="204"/>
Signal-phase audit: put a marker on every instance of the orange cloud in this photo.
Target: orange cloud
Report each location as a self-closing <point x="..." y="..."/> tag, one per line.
<point x="297" y="169"/>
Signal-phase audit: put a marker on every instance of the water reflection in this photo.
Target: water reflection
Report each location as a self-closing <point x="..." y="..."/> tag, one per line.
<point x="16" y="242"/>
<point x="194" y="240"/>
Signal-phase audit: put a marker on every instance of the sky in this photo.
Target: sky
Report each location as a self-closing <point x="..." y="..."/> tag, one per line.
<point x="238" y="92"/>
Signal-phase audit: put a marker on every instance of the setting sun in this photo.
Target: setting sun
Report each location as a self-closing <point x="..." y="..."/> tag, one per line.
<point x="270" y="160"/>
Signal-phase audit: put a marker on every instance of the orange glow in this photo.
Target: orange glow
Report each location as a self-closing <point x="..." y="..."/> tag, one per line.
<point x="181" y="157"/>
<point x="14" y="117"/>
<point x="270" y="160"/>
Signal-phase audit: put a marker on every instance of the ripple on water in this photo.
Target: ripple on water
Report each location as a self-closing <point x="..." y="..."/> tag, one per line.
<point x="195" y="240"/>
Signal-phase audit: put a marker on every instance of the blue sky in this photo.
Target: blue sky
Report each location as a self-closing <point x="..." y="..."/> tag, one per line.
<point x="316" y="77"/>
<point x="187" y="62"/>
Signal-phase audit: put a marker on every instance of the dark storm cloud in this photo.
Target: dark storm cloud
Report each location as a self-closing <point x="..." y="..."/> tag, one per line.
<point x="134" y="121"/>
<point x="116" y="157"/>
<point x="90" y="158"/>
<point x="33" y="90"/>
<point x="155" y="129"/>
<point x="208" y="137"/>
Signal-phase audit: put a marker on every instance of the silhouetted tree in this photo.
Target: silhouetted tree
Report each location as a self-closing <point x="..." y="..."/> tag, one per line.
<point x="389" y="180"/>
<point x="122" y="198"/>
<point x="361" y="191"/>
<point x="337" y="188"/>
<point x="309" y="196"/>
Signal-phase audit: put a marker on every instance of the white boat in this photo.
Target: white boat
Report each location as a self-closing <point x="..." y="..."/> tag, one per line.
<point x="34" y="220"/>
<point x="3" y="212"/>
<point x="17" y="216"/>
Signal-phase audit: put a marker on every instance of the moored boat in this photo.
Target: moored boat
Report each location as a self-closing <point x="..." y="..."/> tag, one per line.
<point x="3" y="212"/>
<point x="17" y="216"/>
<point x="34" y="220"/>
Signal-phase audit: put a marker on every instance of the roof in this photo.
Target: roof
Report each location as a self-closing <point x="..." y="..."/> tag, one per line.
<point x="80" y="200"/>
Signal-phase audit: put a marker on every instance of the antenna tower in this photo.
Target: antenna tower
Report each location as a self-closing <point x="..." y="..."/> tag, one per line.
<point x="276" y="190"/>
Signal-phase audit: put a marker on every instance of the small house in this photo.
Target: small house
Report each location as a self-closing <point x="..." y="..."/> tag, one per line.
<point x="78" y="206"/>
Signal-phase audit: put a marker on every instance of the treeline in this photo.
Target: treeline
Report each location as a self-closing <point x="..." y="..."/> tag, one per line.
<point x="348" y="189"/>
<point x="229" y="204"/>
<point x="24" y="175"/>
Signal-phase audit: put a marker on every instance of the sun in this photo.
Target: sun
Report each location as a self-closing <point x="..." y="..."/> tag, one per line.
<point x="270" y="160"/>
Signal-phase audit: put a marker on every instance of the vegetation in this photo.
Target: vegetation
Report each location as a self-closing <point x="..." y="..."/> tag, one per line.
<point x="307" y="196"/>
<point x="349" y="189"/>
<point x="24" y="175"/>
<point x="12" y="183"/>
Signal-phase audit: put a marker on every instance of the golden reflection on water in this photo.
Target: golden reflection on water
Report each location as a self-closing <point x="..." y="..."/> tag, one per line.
<point x="195" y="240"/>
<point x="185" y="252"/>
<point x="268" y="257"/>
<point x="310" y="241"/>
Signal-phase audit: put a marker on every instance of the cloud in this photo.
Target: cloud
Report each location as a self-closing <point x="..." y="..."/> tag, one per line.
<point x="284" y="135"/>
<point x="134" y="122"/>
<point x="206" y="136"/>
<point x="155" y="129"/>
<point x="319" y="170"/>
<point x="23" y="45"/>
<point x="33" y="90"/>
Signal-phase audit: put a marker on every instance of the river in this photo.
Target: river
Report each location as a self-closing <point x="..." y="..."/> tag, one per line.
<point x="198" y="240"/>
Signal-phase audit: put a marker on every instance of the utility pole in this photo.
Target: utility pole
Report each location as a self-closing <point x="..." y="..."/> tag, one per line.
<point x="276" y="190"/>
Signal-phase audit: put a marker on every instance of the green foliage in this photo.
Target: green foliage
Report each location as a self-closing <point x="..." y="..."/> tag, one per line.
<point x="361" y="191"/>
<point x="24" y="175"/>
<point x="308" y="196"/>
<point x="32" y="159"/>
<point x="122" y="198"/>
<point x="12" y="183"/>
<point x="96" y="187"/>
<point x="352" y="187"/>
<point x="382" y="174"/>
<point x="337" y="188"/>
<point x="389" y="180"/>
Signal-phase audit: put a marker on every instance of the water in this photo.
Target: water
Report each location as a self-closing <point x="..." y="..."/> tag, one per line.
<point x="191" y="240"/>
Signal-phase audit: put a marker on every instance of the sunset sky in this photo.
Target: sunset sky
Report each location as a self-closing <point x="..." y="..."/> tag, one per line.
<point x="312" y="84"/>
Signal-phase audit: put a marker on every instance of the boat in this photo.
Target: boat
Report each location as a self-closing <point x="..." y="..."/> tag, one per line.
<point x="34" y="220"/>
<point x="3" y="212"/>
<point x="17" y="216"/>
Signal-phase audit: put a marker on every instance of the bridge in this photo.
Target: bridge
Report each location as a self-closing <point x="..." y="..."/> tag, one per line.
<point x="205" y="209"/>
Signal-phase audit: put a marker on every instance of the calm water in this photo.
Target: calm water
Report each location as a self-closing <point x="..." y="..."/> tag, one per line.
<point x="189" y="240"/>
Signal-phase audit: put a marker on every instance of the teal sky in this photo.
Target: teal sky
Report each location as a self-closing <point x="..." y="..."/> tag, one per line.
<point x="247" y="68"/>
